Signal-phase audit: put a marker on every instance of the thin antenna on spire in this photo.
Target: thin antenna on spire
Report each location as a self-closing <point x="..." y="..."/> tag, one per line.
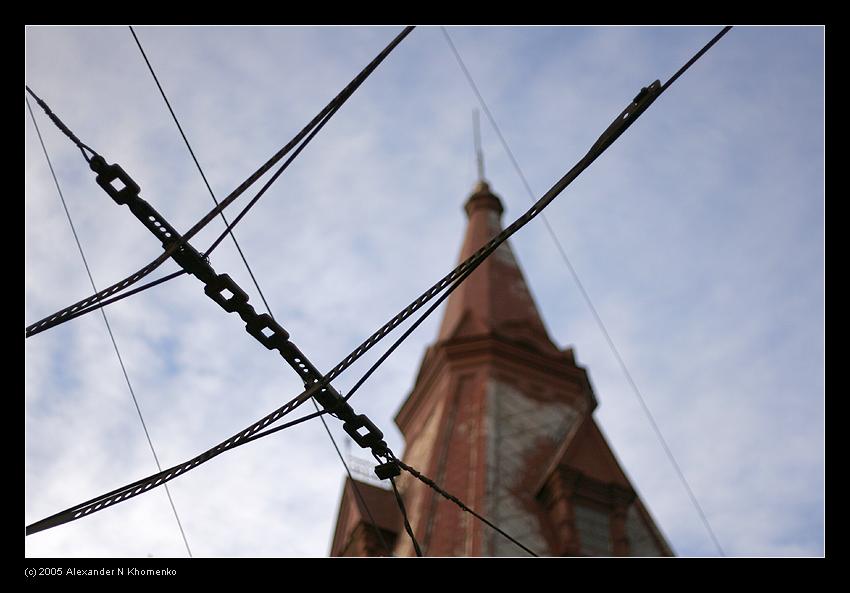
<point x="479" y="155"/>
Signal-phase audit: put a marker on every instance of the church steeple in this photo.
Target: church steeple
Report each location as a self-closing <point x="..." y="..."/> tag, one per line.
<point x="479" y="153"/>
<point x="502" y="418"/>
<point x="495" y="299"/>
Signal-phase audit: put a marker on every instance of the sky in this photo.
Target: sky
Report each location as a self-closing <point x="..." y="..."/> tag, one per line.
<point x="699" y="236"/>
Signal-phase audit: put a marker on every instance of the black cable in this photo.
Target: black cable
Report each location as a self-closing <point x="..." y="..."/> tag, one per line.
<point x="407" y="526"/>
<point x="579" y="283"/>
<point x="442" y="463"/>
<point x="696" y="57"/>
<point x="243" y="437"/>
<point x="410" y="330"/>
<point x="133" y="489"/>
<point x="433" y="485"/>
<point x="277" y="174"/>
<point x="124" y="295"/>
<point x="59" y="124"/>
<point x="108" y="327"/>
<point x="365" y="376"/>
<point x="83" y="307"/>
<point x="357" y="492"/>
<point x="620" y="124"/>
<point x="198" y="165"/>
<point x="334" y="105"/>
<point x="229" y="230"/>
<point x="638" y="105"/>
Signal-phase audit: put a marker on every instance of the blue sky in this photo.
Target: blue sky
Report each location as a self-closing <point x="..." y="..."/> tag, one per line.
<point x="699" y="236"/>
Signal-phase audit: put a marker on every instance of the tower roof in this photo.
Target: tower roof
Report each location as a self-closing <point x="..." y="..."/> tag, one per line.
<point x="495" y="299"/>
<point x="502" y="418"/>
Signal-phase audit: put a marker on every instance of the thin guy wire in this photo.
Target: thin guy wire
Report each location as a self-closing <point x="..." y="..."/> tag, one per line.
<point x="441" y="466"/>
<point x="198" y="165"/>
<point x="608" y="137"/>
<point x="411" y="329"/>
<point x="271" y="180"/>
<point x="134" y="488"/>
<point x="145" y="271"/>
<point x="229" y="229"/>
<point x="244" y="438"/>
<point x="353" y="481"/>
<point x="578" y="282"/>
<point x="333" y="106"/>
<point x="369" y="372"/>
<point x="108" y="327"/>
<point x="433" y="485"/>
<point x="407" y="526"/>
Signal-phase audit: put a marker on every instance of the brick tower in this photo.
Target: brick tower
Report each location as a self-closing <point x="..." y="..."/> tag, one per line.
<point x="502" y="418"/>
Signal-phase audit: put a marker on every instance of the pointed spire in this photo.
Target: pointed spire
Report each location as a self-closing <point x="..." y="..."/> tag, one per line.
<point x="495" y="299"/>
<point x="479" y="154"/>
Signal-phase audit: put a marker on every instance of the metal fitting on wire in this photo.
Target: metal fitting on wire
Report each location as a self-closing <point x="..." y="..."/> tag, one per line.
<point x="388" y="470"/>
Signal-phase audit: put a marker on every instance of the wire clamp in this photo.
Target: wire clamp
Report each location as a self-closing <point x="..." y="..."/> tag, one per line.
<point x="387" y="470"/>
<point x="638" y="105"/>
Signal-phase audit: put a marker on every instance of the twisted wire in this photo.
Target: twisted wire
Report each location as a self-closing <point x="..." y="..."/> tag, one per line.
<point x="109" y="329"/>
<point x="332" y="106"/>
<point x="434" y="486"/>
<point x="407" y="526"/>
<point x="620" y="124"/>
<point x="603" y="329"/>
<point x="229" y="230"/>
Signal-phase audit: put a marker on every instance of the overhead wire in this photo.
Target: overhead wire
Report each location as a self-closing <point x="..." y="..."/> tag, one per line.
<point x="86" y="305"/>
<point x="253" y="201"/>
<point x="598" y="319"/>
<point x="198" y="166"/>
<point x="229" y="230"/>
<point x="434" y="486"/>
<point x="357" y="492"/>
<point x="332" y="106"/>
<point x="123" y="295"/>
<point x="363" y="378"/>
<point x="108" y="326"/>
<point x="143" y="485"/>
<point x="638" y="105"/>
<point x="405" y="520"/>
<point x="59" y="124"/>
<point x="452" y="280"/>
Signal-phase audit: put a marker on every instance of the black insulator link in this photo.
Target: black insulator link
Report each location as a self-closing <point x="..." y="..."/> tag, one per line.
<point x="371" y="439"/>
<point x="215" y="290"/>
<point x="262" y="327"/>
<point x="123" y="190"/>
<point x="222" y="289"/>
<point x="98" y="164"/>
<point x="273" y="336"/>
<point x="247" y="313"/>
<point x="114" y="180"/>
<point x="277" y="336"/>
